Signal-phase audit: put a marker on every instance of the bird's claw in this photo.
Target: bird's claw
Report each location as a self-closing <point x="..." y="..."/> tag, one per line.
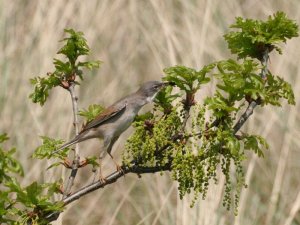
<point x="119" y="169"/>
<point x="102" y="179"/>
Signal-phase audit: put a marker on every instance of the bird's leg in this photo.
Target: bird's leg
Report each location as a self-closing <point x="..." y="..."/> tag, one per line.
<point x="109" y="148"/>
<point x="101" y="177"/>
<point x="119" y="168"/>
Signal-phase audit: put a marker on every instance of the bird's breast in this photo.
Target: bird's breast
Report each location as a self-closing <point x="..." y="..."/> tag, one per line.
<point x="118" y="125"/>
<point x="126" y="120"/>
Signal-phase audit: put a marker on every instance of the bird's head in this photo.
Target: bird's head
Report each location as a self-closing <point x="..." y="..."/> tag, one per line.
<point x="151" y="88"/>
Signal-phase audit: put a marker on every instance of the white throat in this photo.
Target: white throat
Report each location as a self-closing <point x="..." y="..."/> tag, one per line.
<point x="150" y="99"/>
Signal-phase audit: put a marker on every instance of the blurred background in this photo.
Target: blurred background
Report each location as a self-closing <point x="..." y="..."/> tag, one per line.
<point x="136" y="39"/>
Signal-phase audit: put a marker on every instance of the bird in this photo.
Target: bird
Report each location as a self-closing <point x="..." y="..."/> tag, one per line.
<point x="115" y="119"/>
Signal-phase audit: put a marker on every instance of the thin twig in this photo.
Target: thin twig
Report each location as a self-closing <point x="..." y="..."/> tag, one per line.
<point x="245" y="116"/>
<point x="113" y="177"/>
<point x="75" y="162"/>
<point x="253" y="104"/>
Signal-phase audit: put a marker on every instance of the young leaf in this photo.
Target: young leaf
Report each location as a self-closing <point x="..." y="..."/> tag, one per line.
<point x="255" y="143"/>
<point x="8" y="164"/>
<point x="254" y="37"/>
<point x="165" y="98"/>
<point x="48" y="147"/>
<point x="65" y="71"/>
<point x="91" y="112"/>
<point x="276" y="89"/>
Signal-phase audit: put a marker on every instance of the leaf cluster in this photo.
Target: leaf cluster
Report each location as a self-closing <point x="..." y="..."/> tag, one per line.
<point x="238" y="80"/>
<point x="276" y="89"/>
<point x="48" y="147"/>
<point x="254" y="37"/>
<point x="91" y="112"/>
<point x="8" y="164"/>
<point x="242" y="81"/>
<point x="32" y="203"/>
<point x="22" y="205"/>
<point x="151" y="133"/>
<point x="66" y="71"/>
<point x="196" y="164"/>
<point x="188" y="80"/>
<point x="210" y="144"/>
<point x="165" y="98"/>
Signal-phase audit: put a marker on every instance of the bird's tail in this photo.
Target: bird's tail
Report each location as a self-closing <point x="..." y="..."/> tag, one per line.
<point x="73" y="141"/>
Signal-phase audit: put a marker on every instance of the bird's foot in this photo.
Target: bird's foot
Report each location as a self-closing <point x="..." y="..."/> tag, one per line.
<point x="102" y="179"/>
<point x="119" y="169"/>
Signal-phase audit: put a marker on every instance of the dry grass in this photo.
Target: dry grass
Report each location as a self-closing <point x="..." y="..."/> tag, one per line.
<point x="136" y="39"/>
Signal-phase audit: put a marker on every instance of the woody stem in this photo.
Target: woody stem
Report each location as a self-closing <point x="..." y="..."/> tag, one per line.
<point x="75" y="163"/>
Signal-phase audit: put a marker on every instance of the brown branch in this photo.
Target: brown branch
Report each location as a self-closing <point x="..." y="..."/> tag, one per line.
<point x="245" y="116"/>
<point x="112" y="178"/>
<point x="75" y="163"/>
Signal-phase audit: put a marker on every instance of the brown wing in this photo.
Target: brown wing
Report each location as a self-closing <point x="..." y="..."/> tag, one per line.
<point x="104" y="116"/>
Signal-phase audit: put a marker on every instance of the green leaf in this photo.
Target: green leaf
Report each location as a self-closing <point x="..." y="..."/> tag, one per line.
<point x="219" y="105"/>
<point x="165" y="98"/>
<point x="3" y="137"/>
<point x="8" y="164"/>
<point x="91" y="112"/>
<point x="232" y="143"/>
<point x="75" y="45"/>
<point x="255" y="143"/>
<point x="188" y="79"/>
<point x="276" y="89"/>
<point x="239" y="80"/>
<point x="48" y="147"/>
<point x="53" y="188"/>
<point x="89" y="64"/>
<point x="33" y="190"/>
<point x="143" y="117"/>
<point x="94" y="161"/>
<point x="42" y="86"/>
<point x="63" y="67"/>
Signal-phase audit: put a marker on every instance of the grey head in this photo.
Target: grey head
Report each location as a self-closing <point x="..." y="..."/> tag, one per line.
<point x="151" y="88"/>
